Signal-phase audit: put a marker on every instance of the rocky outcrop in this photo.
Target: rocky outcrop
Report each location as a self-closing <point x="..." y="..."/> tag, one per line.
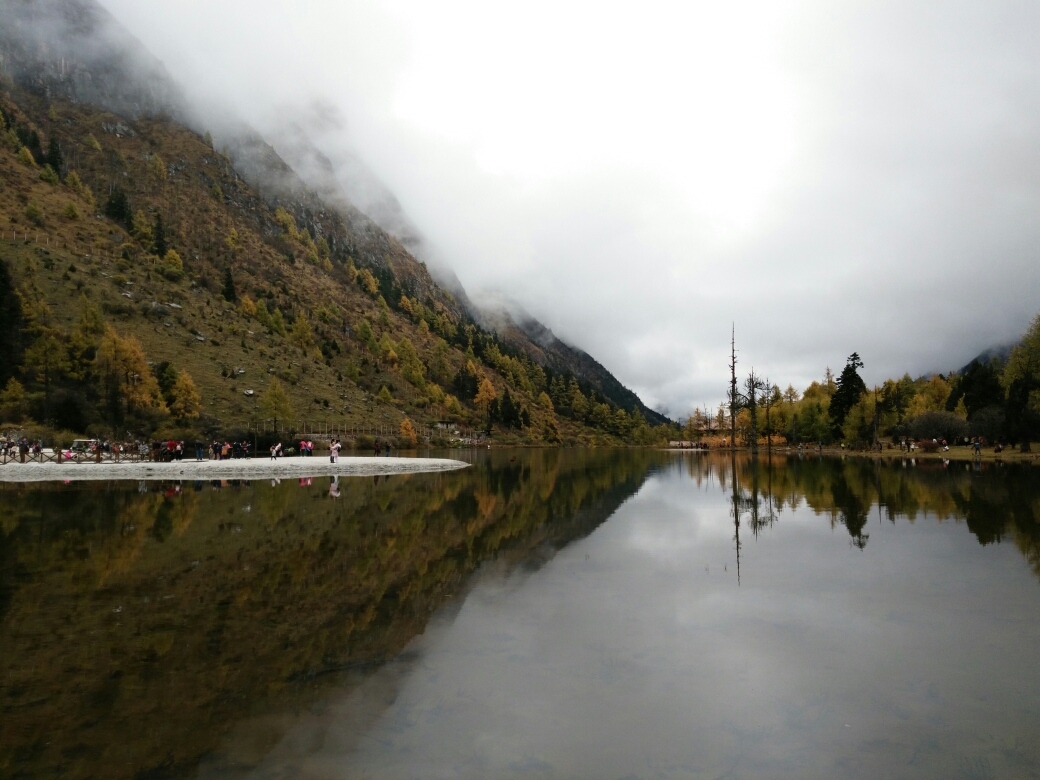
<point x="74" y="49"/>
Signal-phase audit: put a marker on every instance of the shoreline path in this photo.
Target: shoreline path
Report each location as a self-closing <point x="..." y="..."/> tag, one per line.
<point x="252" y="468"/>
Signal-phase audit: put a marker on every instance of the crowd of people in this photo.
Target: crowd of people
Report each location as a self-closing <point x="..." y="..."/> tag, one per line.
<point x="22" y="448"/>
<point x="170" y="450"/>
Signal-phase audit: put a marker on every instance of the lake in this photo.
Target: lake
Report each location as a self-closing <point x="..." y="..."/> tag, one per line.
<point x="541" y="614"/>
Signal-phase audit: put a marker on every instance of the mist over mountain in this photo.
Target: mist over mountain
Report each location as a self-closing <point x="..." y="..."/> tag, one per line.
<point x="77" y="50"/>
<point x="306" y="216"/>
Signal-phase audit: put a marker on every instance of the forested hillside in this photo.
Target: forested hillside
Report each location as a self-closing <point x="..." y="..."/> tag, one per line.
<point x="148" y="286"/>
<point x="156" y="283"/>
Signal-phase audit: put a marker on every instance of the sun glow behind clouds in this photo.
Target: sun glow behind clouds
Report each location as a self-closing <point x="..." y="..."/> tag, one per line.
<point x="539" y="92"/>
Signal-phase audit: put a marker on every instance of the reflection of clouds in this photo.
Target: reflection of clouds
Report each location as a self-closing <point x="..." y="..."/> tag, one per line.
<point x="633" y="652"/>
<point x="671" y="517"/>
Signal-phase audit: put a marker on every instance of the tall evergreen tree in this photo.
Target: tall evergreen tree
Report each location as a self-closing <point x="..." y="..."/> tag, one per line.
<point x="54" y="157"/>
<point x="850" y="387"/>
<point x="228" y="290"/>
<point x="118" y="208"/>
<point x="12" y="333"/>
<point x="979" y="386"/>
<point x="159" y="245"/>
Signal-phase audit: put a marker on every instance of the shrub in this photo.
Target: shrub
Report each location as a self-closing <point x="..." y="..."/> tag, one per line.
<point x="935" y="425"/>
<point x="34" y="213"/>
<point x="173" y="267"/>
<point x="48" y="175"/>
<point x="70" y="212"/>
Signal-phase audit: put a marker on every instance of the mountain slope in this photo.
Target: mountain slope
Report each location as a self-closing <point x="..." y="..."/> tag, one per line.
<point x="509" y="321"/>
<point x="323" y="297"/>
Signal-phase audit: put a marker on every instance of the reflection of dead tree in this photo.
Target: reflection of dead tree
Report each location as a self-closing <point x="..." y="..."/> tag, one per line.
<point x="773" y="514"/>
<point x="736" y="510"/>
<point x="756" y="522"/>
<point x="763" y="515"/>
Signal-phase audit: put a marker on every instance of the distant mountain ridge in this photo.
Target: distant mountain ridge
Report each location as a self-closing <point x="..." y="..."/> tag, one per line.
<point x="1000" y="352"/>
<point x="522" y="331"/>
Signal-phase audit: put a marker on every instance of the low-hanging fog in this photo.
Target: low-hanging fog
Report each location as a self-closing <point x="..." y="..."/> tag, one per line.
<point x="829" y="176"/>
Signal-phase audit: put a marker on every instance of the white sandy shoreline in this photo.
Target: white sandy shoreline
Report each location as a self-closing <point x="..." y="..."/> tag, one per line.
<point x="251" y="468"/>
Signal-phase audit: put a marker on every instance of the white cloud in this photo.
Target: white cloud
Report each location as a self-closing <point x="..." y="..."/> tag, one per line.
<point x="832" y="177"/>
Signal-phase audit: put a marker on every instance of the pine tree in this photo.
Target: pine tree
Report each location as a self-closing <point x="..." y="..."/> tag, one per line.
<point x="228" y="290"/>
<point x="118" y="208"/>
<point x="12" y="334"/>
<point x="54" y="157"/>
<point x="508" y="411"/>
<point x="850" y="387"/>
<point x="160" y="247"/>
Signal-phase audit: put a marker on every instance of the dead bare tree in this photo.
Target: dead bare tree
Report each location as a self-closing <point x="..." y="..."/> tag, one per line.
<point x="734" y="396"/>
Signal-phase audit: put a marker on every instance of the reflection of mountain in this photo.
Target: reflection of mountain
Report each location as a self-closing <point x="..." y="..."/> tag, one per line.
<point x="157" y="620"/>
<point x="996" y="501"/>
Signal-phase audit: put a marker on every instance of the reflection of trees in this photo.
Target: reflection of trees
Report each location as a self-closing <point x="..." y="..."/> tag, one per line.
<point x="180" y="612"/>
<point x="997" y="502"/>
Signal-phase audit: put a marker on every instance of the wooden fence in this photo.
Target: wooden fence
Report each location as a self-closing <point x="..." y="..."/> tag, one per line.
<point x="67" y="456"/>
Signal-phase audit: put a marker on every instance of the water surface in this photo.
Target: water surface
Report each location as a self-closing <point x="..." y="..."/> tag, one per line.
<point x="547" y="614"/>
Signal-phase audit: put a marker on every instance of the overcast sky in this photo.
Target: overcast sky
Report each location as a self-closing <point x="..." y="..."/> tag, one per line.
<point x="830" y="176"/>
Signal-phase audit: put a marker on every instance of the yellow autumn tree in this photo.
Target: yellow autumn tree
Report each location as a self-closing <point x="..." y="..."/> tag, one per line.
<point x="275" y="403"/>
<point x="451" y="403"/>
<point x="368" y="282"/>
<point x="408" y="432"/>
<point x="187" y="403"/>
<point x="173" y="266"/>
<point x="545" y="402"/>
<point x="302" y="334"/>
<point x="486" y="393"/>
<point x="123" y="367"/>
<point x="142" y="227"/>
<point x="157" y="168"/>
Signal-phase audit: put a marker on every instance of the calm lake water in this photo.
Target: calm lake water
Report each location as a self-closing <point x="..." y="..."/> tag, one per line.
<point x="542" y="614"/>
